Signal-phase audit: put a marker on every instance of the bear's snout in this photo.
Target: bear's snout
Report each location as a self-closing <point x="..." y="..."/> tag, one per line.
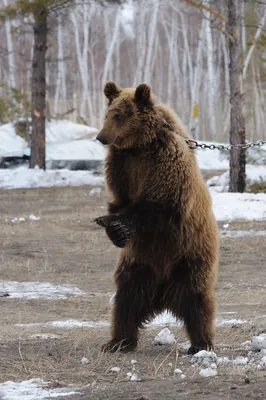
<point x="102" y="138"/>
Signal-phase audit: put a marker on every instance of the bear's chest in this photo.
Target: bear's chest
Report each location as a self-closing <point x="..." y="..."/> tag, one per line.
<point x="135" y="175"/>
<point x="128" y="172"/>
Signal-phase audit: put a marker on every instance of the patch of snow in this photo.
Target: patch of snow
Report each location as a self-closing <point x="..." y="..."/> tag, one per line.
<point x="211" y="160"/>
<point x="95" y="191"/>
<point x="254" y="173"/>
<point x="258" y="342"/>
<point x="115" y="369"/>
<point x="37" y="290"/>
<point x="235" y="206"/>
<point x="75" y="150"/>
<point x="84" y="361"/>
<point x="65" y="130"/>
<point x="34" y="218"/>
<point x="164" y="337"/>
<point x="237" y="234"/>
<point x="44" y="336"/>
<point x="68" y="324"/>
<point x="228" y="312"/>
<point x="233" y="322"/>
<point x="10" y="143"/>
<point x="112" y="299"/>
<point x="182" y="376"/>
<point x="217" y="160"/>
<point x="204" y="357"/>
<point x="225" y="226"/>
<point x="178" y="371"/>
<point x="208" y="372"/>
<point x="33" y="389"/>
<point x="240" y="360"/>
<point x="58" y="131"/>
<point x="262" y="363"/>
<point x="223" y="360"/>
<point x="246" y="345"/>
<point x="134" y="362"/>
<point x="18" y="220"/>
<point x="134" y="377"/>
<point x="23" y="177"/>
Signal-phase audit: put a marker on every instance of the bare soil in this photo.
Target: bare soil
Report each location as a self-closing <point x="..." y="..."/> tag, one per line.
<point x="65" y="246"/>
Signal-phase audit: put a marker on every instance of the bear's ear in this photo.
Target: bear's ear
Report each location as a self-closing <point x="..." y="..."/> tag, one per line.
<point x="111" y="91"/>
<point x="143" y="95"/>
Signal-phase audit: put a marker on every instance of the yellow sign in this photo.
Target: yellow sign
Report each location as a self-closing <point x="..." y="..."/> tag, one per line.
<point x="195" y="111"/>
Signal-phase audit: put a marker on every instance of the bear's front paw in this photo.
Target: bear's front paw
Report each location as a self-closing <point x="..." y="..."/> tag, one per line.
<point x="125" y="346"/>
<point x="103" y="221"/>
<point x="118" y="233"/>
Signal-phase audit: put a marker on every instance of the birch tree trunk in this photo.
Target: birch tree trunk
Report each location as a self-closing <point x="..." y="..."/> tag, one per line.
<point x="11" y="60"/>
<point x="212" y="103"/>
<point x="151" y="39"/>
<point x="38" y="89"/>
<point x="194" y="121"/>
<point x="237" y="128"/>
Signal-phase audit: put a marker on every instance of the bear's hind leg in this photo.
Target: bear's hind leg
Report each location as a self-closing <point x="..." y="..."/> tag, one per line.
<point x="133" y="305"/>
<point x="197" y="310"/>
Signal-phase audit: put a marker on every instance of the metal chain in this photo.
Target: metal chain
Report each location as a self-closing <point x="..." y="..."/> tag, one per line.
<point x="193" y="144"/>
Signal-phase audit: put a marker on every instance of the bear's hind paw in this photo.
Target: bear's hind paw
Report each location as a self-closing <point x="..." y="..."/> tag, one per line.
<point x="196" y="348"/>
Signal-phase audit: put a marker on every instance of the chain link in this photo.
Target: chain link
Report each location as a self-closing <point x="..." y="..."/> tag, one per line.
<point x="193" y="144"/>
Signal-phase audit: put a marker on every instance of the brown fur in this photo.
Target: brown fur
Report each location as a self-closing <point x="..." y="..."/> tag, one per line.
<point x="161" y="208"/>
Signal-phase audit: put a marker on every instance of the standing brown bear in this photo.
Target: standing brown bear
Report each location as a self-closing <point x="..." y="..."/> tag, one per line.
<point x="160" y="214"/>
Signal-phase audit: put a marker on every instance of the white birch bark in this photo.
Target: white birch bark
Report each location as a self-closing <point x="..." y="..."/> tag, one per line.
<point x="211" y="74"/>
<point x="151" y="39"/>
<point x="110" y="49"/>
<point x="11" y="59"/>
<point x="243" y="26"/>
<point x="194" y="121"/>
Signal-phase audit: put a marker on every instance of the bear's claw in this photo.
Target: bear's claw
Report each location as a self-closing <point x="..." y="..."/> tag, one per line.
<point x="118" y="233"/>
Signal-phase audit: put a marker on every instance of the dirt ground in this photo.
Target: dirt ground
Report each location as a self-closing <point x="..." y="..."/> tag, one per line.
<point x="64" y="246"/>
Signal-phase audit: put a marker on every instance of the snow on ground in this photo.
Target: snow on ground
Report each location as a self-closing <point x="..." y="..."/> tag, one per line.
<point x="75" y="150"/>
<point x="37" y="290"/>
<point x="258" y="342"/>
<point x="23" y="177"/>
<point x="10" y="143"/>
<point x="165" y="336"/>
<point x="254" y="173"/>
<point x="232" y="322"/>
<point x="65" y="130"/>
<point x="163" y="319"/>
<point x="33" y="389"/>
<point x="68" y="324"/>
<point x="234" y="206"/>
<point x="65" y="140"/>
<point x="211" y="159"/>
<point x="237" y="234"/>
<point x="218" y="160"/>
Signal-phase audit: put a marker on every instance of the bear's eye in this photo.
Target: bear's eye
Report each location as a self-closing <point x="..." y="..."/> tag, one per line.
<point x="117" y="117"/>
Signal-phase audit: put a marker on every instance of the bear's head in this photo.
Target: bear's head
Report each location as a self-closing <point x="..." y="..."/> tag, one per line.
<point x="131" y="118"/>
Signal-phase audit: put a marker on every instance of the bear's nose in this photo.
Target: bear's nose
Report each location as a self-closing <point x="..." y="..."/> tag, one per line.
<point x="101" y="139"/>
